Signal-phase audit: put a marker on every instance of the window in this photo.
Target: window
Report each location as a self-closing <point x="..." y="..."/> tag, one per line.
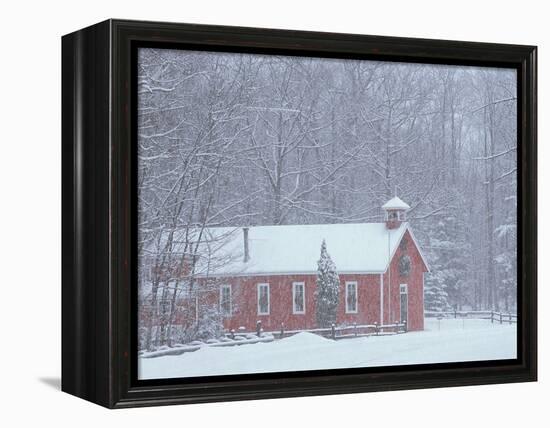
<point x="351" y="297"/>
<point x="225" y="300"/>
<point x="298" y="298"/>
<point x="164" y="306"/>
<point x="404" y="302"/>
<point x="263" y="299"/>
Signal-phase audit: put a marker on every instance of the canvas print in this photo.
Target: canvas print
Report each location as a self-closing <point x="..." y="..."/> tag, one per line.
<point x="301" y="213"/>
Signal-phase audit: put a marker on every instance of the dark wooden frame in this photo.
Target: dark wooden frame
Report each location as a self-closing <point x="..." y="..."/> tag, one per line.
<point x="98" y="259"/>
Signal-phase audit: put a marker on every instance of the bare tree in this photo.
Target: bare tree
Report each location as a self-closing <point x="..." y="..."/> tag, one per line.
<point x="236" y="139"/>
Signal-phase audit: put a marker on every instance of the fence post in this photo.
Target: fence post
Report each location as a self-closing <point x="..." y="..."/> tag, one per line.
<point x="510" y="318"/>
<point x="500" y="317"/>
<point x="282" y="329"/>
<point x="376" y="328"/>
<point x="405" y="326"/>
<point x="355" y="328"/>
<point x="396" y="327"/>
<point x="492" y="314"/>
<point x="455" y="312"/>
<point x="232" y="333"/>
<point x="333" y="331"/>
<point x="258" y="328"/>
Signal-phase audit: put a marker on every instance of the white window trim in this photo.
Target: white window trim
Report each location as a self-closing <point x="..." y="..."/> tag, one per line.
<point x="403" y="289"/>
<point x="348" y="283"/>
<point x="294" y="286"/>
<point x="260" y="285"/>
<point x="230" y="300"/>
<point x="164" y="304"/>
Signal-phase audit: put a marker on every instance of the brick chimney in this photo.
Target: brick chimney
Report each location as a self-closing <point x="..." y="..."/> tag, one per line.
<point x="246" y="247"/>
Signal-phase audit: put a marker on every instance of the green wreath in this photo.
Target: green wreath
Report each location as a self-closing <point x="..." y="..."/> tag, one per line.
<point x="404" y="265"/>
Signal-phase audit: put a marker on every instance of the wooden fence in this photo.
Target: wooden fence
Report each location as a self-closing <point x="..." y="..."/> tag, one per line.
<point x="334" y="332"/>
<point x="495" y="317"/>
<point x="240" y="337"/>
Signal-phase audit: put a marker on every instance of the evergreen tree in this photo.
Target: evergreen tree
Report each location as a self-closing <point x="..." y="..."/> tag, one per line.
<point x="435" y="297"/>
<point x="328" y="284"/>
<point x="506" y="260"/>
<point x="446" y="284"/>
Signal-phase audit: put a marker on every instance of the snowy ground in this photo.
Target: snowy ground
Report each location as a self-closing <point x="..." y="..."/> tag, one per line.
<point x="447" y="340"/>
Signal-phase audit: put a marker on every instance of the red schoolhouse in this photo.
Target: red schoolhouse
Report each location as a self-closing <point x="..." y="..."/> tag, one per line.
<point x="273" y="280"/>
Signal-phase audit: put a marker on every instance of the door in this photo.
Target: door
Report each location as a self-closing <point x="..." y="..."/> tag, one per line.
<point x="404" y="299"/>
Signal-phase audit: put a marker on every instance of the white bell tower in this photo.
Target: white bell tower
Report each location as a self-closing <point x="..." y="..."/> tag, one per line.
<point x="395" y="212"/>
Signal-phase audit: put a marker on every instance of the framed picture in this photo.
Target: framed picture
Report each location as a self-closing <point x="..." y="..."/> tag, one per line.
<point x="253" y="213"/>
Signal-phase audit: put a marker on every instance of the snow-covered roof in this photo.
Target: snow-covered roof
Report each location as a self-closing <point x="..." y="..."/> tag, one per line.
<point x="294" y="249"/>
<point x="396" y="204"/>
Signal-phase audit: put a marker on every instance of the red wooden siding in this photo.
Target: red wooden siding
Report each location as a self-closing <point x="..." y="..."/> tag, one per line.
<point x="415" y="287"/>
<point x="244" y="297"/>
<point x="245" y="302"/>
<point x="245" y="313"/>
<point x="368" y="299"/>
